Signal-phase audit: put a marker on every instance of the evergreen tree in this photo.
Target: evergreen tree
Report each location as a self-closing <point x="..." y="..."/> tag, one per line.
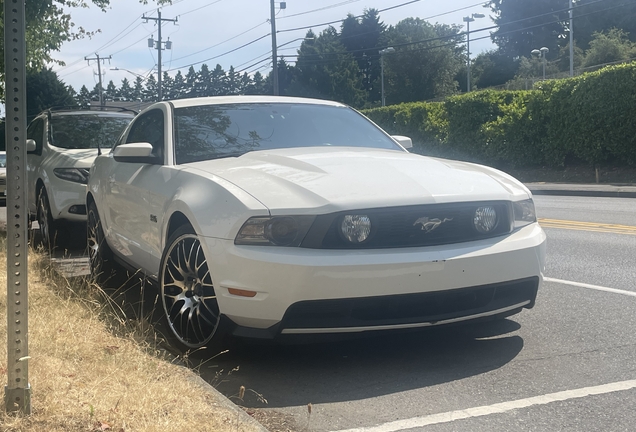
<point x="218" y="82"/>
<point x="84" y="96"/>
<point x="125" y="91"/>
<point x="111" y="91"/>
<point x="178" y="88"/>
<point x="45" y="90"/>
<point x="150" y="92"/>
<point x="138" y="89"/>
<point x="426" y="64"/>
<point x="191" y="82"/>
<point x="232" y="82"/>
<point x="325" y="70"/>
<point x="167" y="84"/>
<point x="203" y="85"/>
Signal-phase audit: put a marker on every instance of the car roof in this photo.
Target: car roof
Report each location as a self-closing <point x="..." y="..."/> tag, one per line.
<point x="222" y="100"/>
<point x="93" y="113"/>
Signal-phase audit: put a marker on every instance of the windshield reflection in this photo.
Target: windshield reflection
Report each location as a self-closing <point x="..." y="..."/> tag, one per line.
<point x="216" y="131"/>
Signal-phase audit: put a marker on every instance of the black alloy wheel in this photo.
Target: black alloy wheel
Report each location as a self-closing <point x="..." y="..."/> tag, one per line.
<point x="187" y="293"/>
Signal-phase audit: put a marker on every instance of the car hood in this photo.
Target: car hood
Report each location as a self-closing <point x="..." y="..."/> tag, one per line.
<point x="73" y="158"/>
<point x="331" y="179"/>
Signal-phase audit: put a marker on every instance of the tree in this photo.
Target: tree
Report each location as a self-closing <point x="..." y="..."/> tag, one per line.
<point x="125" y="91"/>
<point x="218" y="82"/>
<point x="325" y="69"/>
<point x="191" y="83"/>
<point x="45" y="90"/>
<point x="138" y="89"/>
<point x="526" y="25"/>
<point x="608" y="47"/>
<point x="203" y="85"/>
<point x="491" y="68"/>
<point x="48" y="26"/>
<point x="167" y="86"/>
<point x="84" y="96"/>
<point x="111" y="91"/>
<point x="151" y="90"/>
<point x="178" y="88"/>
<point x="592" y="17"/>
<point x="426" y="62"/>
<point x="361" y="37"/>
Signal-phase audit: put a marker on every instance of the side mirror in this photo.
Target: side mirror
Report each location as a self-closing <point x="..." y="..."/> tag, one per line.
<point x="404" y="141"/>
<point x="140" y="152"/>
<point x="30" y="145"/>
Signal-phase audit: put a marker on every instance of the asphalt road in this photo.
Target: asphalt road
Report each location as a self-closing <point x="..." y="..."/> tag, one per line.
<point x="569" y="364"/>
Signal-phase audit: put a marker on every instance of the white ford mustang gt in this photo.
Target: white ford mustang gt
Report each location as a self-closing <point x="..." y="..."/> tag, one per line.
<point x="262" y="216"/>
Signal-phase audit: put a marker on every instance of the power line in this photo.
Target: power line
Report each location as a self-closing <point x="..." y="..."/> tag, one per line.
<point x="220" y="43"/>
<point x="341" y="20"/>
<point x="221" y="55"/>
<point x="320" y="9"/>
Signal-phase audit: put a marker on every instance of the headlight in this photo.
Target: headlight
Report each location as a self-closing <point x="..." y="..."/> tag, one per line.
<point x="75" y="175"/>
<point x="355" y="228"/>
<point x="485" y="219"/>
<point x="274" y="231"/>
<point x="524" y="213"/>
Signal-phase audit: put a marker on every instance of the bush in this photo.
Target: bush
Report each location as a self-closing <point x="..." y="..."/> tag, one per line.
<point x="587" y="118"/>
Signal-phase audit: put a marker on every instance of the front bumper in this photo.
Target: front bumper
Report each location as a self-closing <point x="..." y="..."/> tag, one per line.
<point x="67" y="200"/>
<point x="334" y="291"/>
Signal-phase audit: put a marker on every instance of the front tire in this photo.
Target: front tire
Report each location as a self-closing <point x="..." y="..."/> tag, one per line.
<point x="187" y="293"/>
<point x="48" y="227"/>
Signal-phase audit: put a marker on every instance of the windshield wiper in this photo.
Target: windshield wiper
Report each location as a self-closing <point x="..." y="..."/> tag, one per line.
<point x="225" y="155"/>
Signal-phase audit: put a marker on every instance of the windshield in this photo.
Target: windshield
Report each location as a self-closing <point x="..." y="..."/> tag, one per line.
<point x="87" y="130"/>
<point x="3" y="160"/>
<point x="214" y="131"/>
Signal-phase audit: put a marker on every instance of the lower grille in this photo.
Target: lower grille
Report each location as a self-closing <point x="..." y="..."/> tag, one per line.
<point x="426" y="307"/>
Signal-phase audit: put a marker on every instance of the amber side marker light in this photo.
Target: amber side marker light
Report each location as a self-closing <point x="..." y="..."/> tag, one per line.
<point x="241" y="293"/>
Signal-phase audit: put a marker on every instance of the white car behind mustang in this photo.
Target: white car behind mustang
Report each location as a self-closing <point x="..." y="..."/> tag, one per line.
<point x="262" y="216"/>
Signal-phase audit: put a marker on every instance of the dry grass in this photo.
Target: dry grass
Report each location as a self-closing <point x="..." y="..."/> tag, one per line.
<point x="92" y="371"/>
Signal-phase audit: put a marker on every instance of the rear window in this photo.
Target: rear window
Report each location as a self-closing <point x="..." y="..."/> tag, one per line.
<point x="87" y="130"/>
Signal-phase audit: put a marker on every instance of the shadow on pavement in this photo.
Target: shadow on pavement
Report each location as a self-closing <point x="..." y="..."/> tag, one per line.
<point x="364" y="367"/>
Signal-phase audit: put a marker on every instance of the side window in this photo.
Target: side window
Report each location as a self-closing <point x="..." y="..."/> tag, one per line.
<point x="148" y="127"/>
<point x="35" y="131"/>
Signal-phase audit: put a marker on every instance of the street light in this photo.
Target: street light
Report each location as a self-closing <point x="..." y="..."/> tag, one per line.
<point x="468" y="20"/>
<point x="542" y="52"/>
<point x="383" y="52"/>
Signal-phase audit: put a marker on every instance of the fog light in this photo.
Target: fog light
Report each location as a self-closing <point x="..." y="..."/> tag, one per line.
<point x="356" y="228"/>
<point x="77" y="209"/>
<point x="485" y="219"/>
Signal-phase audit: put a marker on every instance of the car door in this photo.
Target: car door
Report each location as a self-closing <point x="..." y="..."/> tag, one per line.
<point x="136" y="196"/>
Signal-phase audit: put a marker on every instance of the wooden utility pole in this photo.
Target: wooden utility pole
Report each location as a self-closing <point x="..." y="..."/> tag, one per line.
<point x="159" y="46"/>
<point x="99" y="59"/>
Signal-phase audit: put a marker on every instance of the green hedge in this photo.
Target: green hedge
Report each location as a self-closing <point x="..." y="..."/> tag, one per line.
<point x="590" y="118"/>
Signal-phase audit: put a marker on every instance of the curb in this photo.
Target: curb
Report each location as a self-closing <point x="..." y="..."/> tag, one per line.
<point x="584" y="193"/>
<point x="220" y="399"/>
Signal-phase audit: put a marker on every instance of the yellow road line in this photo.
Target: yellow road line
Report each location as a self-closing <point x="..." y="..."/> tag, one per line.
<point x="588" y="226"/>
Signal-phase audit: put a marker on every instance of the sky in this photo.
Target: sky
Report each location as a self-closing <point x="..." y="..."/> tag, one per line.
<point x="206" y="30"/>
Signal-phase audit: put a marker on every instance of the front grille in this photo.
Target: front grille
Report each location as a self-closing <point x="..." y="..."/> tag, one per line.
<point x="3" y="181"/>
<point x="429" y="307"/>
<point x="410" y="226"/>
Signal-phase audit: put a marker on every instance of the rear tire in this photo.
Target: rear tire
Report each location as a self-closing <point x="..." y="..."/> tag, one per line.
<point x="187" y="294"/>
<point x="104" y="270"/>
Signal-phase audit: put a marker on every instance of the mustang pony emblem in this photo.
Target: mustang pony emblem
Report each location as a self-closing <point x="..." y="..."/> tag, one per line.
<point x="429" y="225"/>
